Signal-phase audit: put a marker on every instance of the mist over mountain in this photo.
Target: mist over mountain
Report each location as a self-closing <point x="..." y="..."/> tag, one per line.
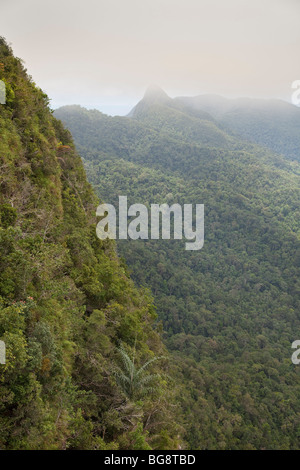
<point x="273" y="124"/>
<point x="230" y="311"/>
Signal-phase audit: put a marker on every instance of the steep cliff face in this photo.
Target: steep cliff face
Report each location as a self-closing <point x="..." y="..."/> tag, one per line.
<point x="66" y="301"/>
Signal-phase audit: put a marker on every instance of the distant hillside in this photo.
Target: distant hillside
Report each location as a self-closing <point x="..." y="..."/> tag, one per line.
<point x="230" y="311"/>
<point x="165" y="115"/>
<point x="273" y="124"/>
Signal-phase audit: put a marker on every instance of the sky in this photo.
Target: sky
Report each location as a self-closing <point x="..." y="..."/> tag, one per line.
<point x="103" y="54"/>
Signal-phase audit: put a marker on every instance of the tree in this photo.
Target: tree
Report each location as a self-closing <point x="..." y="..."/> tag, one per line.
<point x="135" y="382"/>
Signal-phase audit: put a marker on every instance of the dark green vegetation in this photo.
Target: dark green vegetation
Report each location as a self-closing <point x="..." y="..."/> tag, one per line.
<point x="66" y="301"/>
<point x="230" y="311"/>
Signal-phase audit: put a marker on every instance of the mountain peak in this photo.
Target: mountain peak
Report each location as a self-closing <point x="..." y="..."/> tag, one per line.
<point x="155" y="93"/>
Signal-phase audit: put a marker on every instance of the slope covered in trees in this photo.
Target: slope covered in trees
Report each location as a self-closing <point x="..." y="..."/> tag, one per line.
<point x="67" y="305"/>
<point x="271" y="123"/>
<point x="230" y="311"/>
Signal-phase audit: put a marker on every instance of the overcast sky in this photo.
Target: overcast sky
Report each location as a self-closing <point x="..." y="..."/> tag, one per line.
<point x="104" y="54"/>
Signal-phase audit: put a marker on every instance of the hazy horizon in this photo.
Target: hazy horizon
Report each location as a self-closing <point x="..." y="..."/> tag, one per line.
<point x="103" y="55"/>
<point x="123" y="110"/>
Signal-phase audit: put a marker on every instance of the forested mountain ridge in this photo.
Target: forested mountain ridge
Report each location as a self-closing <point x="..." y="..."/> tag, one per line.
<point x="72" y="321"/>
<point x="273" y="124"/>
<point x="230" y="311"/>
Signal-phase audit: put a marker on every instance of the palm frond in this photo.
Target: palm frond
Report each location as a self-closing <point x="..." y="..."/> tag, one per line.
<point x="147" y="364"/>
<point x="135" y="381"/>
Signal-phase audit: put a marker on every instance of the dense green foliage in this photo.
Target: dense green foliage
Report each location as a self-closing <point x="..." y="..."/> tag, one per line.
<point x="230" y="311"/>
<point x="66" y="301"/>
